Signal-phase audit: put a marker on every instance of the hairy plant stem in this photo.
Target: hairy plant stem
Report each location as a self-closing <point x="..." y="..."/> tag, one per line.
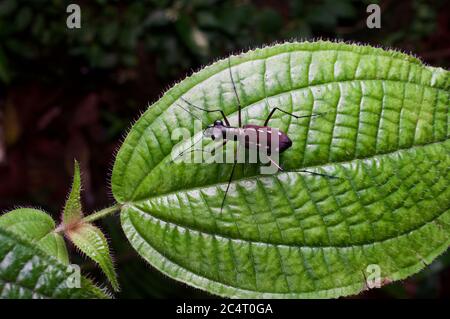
<point x="102" y="213"/>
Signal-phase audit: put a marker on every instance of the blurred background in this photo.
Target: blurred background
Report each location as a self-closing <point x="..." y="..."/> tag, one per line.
<point x="73" y="93"/>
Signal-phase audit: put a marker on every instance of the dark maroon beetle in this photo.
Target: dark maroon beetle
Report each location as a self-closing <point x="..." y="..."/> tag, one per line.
<point x="265" y="133"/>
<point x="262" y="135"/>
<point x="253" y="136"/>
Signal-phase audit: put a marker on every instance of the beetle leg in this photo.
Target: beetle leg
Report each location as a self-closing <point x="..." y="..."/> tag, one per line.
<point x="276" y="164"/>
<point x="285" y="112"/>
<point x="314" y="173"/>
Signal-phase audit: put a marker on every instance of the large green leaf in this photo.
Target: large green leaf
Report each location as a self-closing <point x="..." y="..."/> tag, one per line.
<point x="384" y="134"/>
<point x="27" y="272"/>
<point x="39" y="228"/>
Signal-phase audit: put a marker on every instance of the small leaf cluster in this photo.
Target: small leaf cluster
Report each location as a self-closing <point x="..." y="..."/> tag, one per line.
<point x="39" y="228"/>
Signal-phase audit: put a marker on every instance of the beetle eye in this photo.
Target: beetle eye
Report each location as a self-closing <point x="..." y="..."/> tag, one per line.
<point x="218" y="122"/>
<point x="213" y="137"/>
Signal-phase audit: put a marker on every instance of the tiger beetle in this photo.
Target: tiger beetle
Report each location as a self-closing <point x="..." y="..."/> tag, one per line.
<point x="253" y="137"/>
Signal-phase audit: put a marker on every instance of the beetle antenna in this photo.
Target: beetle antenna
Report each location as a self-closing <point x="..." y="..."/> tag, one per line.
<point x="208" y="111"/>
<point x="194" y="106"/>
<point x="187" y="149"/>
<point x="191" y="113"/>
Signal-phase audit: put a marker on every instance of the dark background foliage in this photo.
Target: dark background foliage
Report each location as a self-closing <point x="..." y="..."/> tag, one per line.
<point x="73" y="93"/>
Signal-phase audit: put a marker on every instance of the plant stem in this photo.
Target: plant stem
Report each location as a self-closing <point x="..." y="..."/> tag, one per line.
<point x="102" y="213"/>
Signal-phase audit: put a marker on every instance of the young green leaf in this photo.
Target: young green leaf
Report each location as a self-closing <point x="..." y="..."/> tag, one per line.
<point x="91" y="241"/>
<point x="73" y="211"/>
<point x="27" y="272"/>
<point x="54" y="245"/>
<point x="383" y="132"/>
<point x="37" y="227"/>
<point x="88" y="238"/>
